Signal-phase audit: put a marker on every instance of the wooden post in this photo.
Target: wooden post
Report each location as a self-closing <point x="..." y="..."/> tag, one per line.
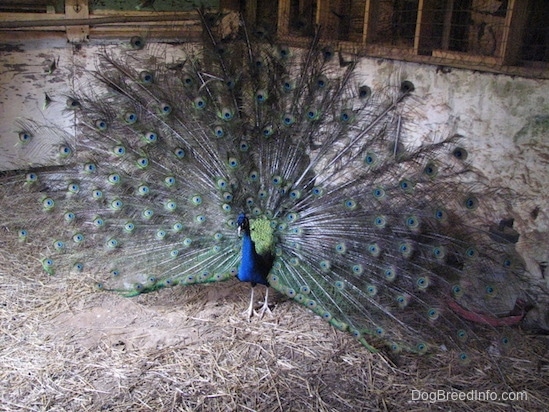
<point x="513" y="33"/>
<point x="423" y="43"/>
<point x="447" y="25"/>
<point x="283" y="27"/>
<point x="370" y="21"/>
<point x="77" y="9"/>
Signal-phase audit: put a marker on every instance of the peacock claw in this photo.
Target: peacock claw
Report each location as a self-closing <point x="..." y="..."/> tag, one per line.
<point x="264" y="309"/>
<point x="249" y="314"/>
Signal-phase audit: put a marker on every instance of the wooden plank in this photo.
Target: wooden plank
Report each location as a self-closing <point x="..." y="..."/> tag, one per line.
<point x="462" y="57"/>
<point x="105" y="24"/>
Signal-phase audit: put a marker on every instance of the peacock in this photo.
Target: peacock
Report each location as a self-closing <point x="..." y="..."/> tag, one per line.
<point x="274" y="165"/>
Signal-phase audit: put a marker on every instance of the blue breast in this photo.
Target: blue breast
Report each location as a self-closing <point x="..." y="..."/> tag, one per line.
<point x="253" y="267"/>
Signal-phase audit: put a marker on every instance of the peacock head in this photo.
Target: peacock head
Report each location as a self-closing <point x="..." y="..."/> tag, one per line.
<point x="243" y="224"/>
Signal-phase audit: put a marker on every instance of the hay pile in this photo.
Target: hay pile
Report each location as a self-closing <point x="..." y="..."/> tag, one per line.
<point x="66" y="347"/>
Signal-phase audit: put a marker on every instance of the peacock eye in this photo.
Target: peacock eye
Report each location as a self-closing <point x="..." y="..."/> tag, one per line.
<point x="25" y="137"/>
<point x="137" y="43"/>
<point x="130" y="118"/>
<point x="146" y="77"/>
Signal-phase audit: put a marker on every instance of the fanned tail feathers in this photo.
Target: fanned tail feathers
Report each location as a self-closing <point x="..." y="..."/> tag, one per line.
<point x="384" y="238"/>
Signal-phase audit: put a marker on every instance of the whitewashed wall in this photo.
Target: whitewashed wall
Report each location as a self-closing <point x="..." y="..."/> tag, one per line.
<point x="25" y="79"/>
<point x="504" y="122"/>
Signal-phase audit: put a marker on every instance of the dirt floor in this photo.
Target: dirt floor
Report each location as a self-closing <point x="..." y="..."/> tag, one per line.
<point x="66" y="347"/>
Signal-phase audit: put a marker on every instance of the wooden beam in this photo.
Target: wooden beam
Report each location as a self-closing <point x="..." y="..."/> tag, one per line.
<point x="37" y="20"/>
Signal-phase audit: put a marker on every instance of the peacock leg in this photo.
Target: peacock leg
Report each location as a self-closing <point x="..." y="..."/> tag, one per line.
<point x="250" y="311"/>
<point x="265" y="307"/>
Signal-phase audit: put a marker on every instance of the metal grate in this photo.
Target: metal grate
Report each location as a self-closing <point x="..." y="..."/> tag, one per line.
<point x="497" y="35"/>
<point x="535" y="46"/>
<point x="37" y="6"/>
